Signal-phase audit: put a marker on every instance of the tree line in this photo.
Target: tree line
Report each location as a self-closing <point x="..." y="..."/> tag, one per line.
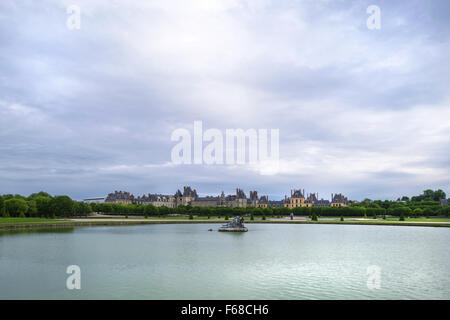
<point x="350" y="211"/>
<point x="425" y="205"/>
<point x="42" y="204"/>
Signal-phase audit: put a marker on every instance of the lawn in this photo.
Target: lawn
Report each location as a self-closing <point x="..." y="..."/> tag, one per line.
<point x="10" y="223"/>
<point x="15" y="221"/>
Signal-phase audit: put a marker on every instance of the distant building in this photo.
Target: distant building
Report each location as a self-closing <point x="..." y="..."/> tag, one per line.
<point x="276" y="203"/>
<point x="338" y="200"/>
<point x="95" y="200"/>
<point x="263" y="202"/>
<point x="158" y="200"/>
<point x="189" y="196"/>
<point x="121" y="197"/>
<point x="298" y="199"/>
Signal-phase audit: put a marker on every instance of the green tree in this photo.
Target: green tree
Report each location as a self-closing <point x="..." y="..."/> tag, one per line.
<point x="314" y="216"/>
<point x="43" y="206"/>
<point x="150" y="210"/>
<point x="446" y="211"/>
<point x="181" y="209"/>
<point x="207" y="211"/>
<point x="267" y="211"/>
<point x="94" y="206"/>
<point x="257" y="211"/>
<point x="15" y="207"/>
<point x="163" y="211"/>
<point x="417" y="212"/>
<point x="81" y="209"/>
<point x="430" y="195"/>
<point x="438" y="195"/>
<point x="61" y="206"/>
<point x="285" y="211"/>
<point x="32" y="208"/>
<point x="7" y="196"/>
<point x="1" y="203"/>
<point x="39" y="194"/>
<point x="427" y="212"/>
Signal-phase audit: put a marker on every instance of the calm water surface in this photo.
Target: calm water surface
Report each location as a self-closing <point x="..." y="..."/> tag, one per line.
<point x="185" y="261"/>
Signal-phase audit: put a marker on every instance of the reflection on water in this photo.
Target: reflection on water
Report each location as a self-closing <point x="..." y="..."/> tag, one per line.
<point x="186" y="261"/>
<point x="20" y="231"/>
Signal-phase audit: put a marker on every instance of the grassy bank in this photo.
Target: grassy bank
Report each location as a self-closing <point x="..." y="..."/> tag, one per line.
<point x="22" y="223"/>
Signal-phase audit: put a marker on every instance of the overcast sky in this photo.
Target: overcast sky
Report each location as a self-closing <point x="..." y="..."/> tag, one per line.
<point x="89" y="111"/>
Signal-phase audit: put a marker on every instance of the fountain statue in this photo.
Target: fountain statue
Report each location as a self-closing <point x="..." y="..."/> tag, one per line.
<point x="237" y="225"/>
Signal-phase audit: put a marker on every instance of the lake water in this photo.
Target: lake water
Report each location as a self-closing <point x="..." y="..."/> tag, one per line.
<point x="185" y="261"/>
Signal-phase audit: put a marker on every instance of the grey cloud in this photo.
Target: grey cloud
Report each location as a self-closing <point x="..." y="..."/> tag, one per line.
<point x="100" y="103"/>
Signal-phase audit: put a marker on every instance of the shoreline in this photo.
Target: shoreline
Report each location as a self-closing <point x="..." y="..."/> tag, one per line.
<point x="123" y="222"/>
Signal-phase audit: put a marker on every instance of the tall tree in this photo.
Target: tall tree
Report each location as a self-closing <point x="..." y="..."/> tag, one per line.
<point x="150" y="210"/>
<point x="43" y="206"/>
<point x="16" y="207"/>
<point x="61" y="206"/>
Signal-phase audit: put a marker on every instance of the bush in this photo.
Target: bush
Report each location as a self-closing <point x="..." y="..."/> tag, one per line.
<point x="342" y="218"/>
<point x="314" y="217"/>
<point x="251" y="216"/>
<point x="191" y="217"/>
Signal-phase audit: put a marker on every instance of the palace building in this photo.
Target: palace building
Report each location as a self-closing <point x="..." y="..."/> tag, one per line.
<point x="189" y="196"/>
<point x="338" y="200"/>
<point x="121" y="197"/>
<point x="298" y="199"/>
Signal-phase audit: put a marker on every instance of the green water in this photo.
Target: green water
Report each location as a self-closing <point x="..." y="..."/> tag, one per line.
<point x="185" y="261"/>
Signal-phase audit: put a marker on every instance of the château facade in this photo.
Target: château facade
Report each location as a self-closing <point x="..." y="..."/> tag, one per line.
<point x="189" y="196"/>
<point x="299" y="199"/>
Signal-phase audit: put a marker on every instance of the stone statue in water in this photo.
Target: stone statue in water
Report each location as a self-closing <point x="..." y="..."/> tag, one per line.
<point x="237" y="225"/>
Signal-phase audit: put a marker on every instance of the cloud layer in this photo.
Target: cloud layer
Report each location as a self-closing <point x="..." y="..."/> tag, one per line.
<point x="362" y="112"/>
